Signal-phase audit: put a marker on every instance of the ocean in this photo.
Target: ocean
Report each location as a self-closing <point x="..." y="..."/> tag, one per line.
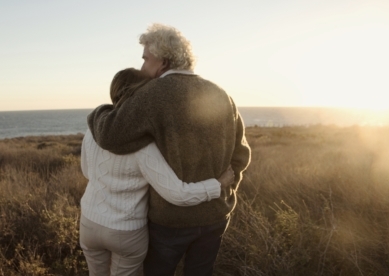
<point x="63" y="122"/>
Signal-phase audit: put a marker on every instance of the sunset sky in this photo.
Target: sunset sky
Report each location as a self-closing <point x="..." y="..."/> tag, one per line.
<point x="63" y="54"/>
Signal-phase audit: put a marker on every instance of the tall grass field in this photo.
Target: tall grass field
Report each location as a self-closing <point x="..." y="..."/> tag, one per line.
<point x="314" y="201"/>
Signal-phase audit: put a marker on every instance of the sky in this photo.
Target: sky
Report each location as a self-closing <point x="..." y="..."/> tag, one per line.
<point x="332" y="53"/>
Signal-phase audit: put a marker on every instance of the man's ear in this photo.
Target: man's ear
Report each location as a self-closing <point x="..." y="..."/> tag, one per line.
<point x="163" y="68"/>
<point x="165" y="65"/>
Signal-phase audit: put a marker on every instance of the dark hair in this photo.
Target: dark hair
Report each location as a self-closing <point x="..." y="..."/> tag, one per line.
<point x="124" y="84"/>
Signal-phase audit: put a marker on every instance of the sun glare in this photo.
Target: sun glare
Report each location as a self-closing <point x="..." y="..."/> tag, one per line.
<point x="346" y="66"/>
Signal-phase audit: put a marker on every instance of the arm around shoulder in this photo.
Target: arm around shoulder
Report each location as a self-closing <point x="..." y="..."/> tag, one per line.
<point x="121" y="130"/>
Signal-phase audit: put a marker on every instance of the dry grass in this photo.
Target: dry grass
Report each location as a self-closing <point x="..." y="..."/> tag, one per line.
<point x="41" y="185"/>
<point x="314" y="201"/>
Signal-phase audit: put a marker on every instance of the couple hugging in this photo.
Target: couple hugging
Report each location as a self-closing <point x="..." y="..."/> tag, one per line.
<point x="164" y="162"/>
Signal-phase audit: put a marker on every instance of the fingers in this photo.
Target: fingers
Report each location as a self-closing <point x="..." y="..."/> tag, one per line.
<point x="228" y="177"/>
<point x="232" y="175"/>
<point x="231" y="170"/>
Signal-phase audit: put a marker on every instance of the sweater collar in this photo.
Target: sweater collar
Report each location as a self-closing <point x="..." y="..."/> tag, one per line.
<point x="173" y="71"/>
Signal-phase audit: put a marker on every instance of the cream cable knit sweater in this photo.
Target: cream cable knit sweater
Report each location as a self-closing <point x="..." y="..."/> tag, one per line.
<point x="117" y="192"/>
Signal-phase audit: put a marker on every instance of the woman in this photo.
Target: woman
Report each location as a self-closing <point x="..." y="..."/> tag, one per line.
<point x="113" y="230"/>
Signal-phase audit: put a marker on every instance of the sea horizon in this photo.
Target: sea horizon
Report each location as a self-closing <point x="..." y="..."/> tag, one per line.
<point x="19" y="123"/>
<point x="245" y="106"/>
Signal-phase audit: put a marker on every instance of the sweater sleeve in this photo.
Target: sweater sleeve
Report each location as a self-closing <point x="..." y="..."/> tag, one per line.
<point x="162" y="178"/>
<point x="121" y="130"/>
<point x="242" y="152"/>
<point x="84" y="162"/>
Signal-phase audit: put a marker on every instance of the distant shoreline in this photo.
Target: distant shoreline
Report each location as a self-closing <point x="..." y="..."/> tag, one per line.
<point x="248" y="128"/>
<point x="239" y="107"/>
<point x="72" y="121"/>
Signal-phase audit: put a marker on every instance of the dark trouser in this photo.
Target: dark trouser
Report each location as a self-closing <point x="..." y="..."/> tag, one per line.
<point x="167" y="246"/>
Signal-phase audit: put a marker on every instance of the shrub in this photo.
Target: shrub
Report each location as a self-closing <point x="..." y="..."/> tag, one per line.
<point x="314" y="201"/>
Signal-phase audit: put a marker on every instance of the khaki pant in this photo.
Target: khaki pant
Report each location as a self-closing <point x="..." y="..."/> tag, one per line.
<point x="112" y="252"/>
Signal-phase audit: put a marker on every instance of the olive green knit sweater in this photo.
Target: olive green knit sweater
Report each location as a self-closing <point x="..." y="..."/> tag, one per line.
<point x="198" y="130"/>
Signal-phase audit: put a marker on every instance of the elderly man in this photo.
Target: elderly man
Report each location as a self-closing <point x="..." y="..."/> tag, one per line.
<point x="199" y="131"/>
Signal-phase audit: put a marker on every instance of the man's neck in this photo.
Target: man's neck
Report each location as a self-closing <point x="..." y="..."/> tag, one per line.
<point x="175" y="71"/>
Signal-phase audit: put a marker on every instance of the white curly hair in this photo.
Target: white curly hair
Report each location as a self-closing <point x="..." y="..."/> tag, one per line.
<point x="166" y="42"/>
